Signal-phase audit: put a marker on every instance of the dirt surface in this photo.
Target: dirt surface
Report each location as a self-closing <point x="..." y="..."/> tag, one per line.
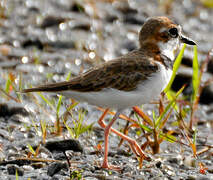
<point x="43" y="41"/>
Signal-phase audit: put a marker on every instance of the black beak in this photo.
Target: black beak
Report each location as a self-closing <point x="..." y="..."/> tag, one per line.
<point x="186" y="40"/>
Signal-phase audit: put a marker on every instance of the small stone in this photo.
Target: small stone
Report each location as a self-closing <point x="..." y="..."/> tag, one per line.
<point x="189" y="161"/>
<point x="33" y="43"/>
<point x="183" y="167"/>
<point x="203" y="177"/>
<point x="59" y="156"/>
<point x="50" y="21"/>
<point x="122" y="152"/>
<point x="191" y="177"/>
<point x="158" y="164"/>
<point x="18" y="162"/>
<point x="28" y="168"/>
<point x="6" y="110"/>
<point x="77" y="7"/>
<point x="55" y="168"/>
<point x="11" y="169"/>
<point x="173" y="160"/>
<point x="59" y="177"/>
<point x="37" y="165"/>
<point x="5" y="49"/>
<point x="210" y="169"/>
<point x="132" y="19"/>
<point x="64" y="145"/>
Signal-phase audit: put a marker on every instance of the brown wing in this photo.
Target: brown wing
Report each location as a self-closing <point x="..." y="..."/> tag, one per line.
<point x="123" y="74"/>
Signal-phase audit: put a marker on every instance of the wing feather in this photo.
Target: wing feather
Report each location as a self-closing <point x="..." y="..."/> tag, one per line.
<point x="123" y="73"/>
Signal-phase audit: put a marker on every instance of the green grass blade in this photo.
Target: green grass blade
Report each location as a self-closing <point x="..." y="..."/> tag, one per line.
<point x="20" y="82"/>
<point x="86" y="128"/>
<point x="79" y="126"/>
<point x="31" y="149"/>
<point x="170" y="105"/>
<point x="195" y="76"/>
<point x="153" y="116"/>
<point x="46" y="100"/>
<point x="43" y="126"/>
<point x="69" y="130"/>
<point x="169" y="137"/>
<point x="19" y="87"/>
<point x="16" y="174"/>
<point x="60" y="97"/>
<point x="7" y="86"/>
<point x="170" y="95"/>
<point x="72" y="106"/>
<point x="68" y="76"/>
<point x="142" y="126"/>
<point x="43" y="130"/>
<point x="207" y="3"/>
<point x="34" y="125"/>
<point x="175" y="68"/>
<point x="59" y="105"/>
<point x="146" y="128"/>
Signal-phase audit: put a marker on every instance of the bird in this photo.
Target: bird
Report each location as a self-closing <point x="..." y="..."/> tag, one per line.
<point x="133" y="79"/>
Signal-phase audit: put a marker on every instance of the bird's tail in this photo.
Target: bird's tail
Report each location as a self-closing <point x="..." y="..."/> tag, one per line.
<point x="55" y="87"/>
<point x="36" y="89"/>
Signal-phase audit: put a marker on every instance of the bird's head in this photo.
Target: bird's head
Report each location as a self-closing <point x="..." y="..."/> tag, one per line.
<point x="161" y="35"/>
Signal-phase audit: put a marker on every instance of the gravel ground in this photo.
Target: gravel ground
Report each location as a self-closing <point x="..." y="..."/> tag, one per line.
<point x="43" y="41"/>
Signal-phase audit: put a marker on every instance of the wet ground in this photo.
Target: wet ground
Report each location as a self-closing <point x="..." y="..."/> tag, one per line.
<point x="44" y="41"/>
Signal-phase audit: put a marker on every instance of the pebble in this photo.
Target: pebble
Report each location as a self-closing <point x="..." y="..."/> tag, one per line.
<point x="189" y="161"/>
<point x="64" y="145"/>
<point x="55" y="168"/>
<point x="9" y="110"/>
<point x="12" y="169"/>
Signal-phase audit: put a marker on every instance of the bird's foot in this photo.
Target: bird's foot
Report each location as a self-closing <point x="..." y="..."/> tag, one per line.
<point x="105" y="165"/>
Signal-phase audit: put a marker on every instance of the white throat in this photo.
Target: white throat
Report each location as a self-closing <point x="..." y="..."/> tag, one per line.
<point x="168" y="48"/>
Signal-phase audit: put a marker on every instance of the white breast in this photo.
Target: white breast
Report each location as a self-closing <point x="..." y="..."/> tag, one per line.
<point x="112" y="98"/>
<point x="168" y="48"/>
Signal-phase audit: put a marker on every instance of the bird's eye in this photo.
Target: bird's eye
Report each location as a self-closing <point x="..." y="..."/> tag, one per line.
<point x="173" y="32"/>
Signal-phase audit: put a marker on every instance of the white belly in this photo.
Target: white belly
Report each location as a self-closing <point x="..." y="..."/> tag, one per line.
<point x="112" y="98"/>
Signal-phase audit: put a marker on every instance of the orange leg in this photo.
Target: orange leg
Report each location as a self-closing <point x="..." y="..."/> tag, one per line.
<point x="106" y="138"/>
<point x="134" y="145"/>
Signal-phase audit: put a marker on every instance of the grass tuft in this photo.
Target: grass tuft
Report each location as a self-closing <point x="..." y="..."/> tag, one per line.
<point x="78" y="126"/>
